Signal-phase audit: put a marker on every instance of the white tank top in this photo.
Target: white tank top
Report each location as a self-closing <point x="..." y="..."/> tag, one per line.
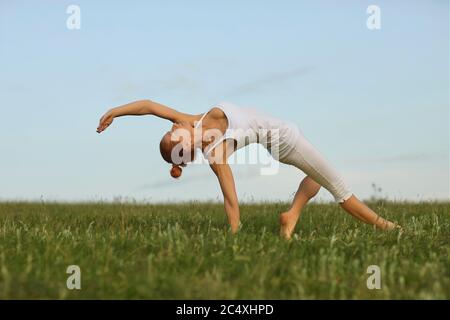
<point x="249" y="125"/>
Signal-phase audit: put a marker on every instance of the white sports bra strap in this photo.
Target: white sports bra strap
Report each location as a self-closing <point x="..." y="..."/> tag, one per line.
<point x="212" y="146"/>
<point x="224" y="137"/>
<point x="199" y="122"/>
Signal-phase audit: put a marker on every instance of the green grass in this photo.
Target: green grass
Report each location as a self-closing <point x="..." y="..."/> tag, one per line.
<point x="184" y="251"/>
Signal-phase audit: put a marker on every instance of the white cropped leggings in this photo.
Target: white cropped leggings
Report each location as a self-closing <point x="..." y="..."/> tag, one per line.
<point x="308" y="159"/>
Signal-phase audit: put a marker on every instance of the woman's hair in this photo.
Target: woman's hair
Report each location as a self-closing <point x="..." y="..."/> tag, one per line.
<point x="165" y="148"/>
<point x="176" y="171"/>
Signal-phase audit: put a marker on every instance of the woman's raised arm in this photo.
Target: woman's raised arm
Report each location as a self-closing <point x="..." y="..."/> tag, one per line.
<point x="140" y="108"/>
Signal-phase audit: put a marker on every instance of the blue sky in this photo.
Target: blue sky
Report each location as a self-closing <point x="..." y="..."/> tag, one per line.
<point x="375" y="102"/>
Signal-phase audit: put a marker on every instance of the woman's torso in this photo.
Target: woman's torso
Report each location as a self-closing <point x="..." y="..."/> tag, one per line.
<point x="248" y="125"/>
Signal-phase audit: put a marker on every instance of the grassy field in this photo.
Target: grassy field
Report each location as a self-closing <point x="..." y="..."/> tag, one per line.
<point x="184" y="251"/>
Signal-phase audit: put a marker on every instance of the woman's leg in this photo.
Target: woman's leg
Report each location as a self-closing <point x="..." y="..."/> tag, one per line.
<point x="306" y="191"/>
<point x="362" y="212"/>
<point x="320" y="173"/>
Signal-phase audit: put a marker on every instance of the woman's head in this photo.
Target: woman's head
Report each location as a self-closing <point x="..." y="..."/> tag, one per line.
<point x="177" y="147"/>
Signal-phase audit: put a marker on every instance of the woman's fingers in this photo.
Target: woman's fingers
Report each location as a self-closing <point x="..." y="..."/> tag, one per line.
<point x="100" y="127"/>
<point x="105" y="121"/>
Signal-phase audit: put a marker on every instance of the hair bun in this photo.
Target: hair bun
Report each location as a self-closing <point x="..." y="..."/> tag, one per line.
<point x="176" y="171"/>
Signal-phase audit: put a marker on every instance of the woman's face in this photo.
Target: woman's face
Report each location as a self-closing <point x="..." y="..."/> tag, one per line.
<point x="183" y="132"/>
<point x="182" y="137"/>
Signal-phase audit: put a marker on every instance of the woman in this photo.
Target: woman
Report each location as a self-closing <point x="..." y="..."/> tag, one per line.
<point x="225" y="128"/>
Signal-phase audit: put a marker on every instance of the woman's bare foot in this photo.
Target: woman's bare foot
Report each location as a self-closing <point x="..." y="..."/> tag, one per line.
<point x="387" y="225"/>
<point x="288" y="220"/>
<point x="394" y="226"/>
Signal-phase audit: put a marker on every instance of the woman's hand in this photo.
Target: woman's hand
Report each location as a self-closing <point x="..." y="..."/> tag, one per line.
<point x="105" y="121"/>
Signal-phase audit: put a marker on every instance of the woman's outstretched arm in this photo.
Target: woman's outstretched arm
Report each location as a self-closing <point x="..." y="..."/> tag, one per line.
<point x="140" y="108"/>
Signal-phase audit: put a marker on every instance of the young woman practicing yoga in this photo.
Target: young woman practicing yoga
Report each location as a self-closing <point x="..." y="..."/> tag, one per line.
<point x="226" y="128"/>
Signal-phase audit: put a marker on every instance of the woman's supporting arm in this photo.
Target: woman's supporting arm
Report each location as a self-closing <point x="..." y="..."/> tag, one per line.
<point x="222" y="170"/>
<point x="226" y="181"/>
<point x="139" y="108"/>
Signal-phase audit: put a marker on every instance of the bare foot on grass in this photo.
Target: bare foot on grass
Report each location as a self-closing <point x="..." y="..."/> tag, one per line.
<point x="287" y="224"/>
